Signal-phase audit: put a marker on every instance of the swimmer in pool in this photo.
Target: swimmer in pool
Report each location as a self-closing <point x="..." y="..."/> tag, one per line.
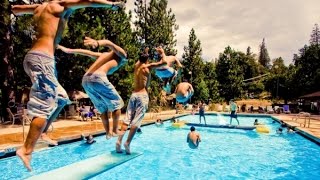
<point x="193" y="138"/>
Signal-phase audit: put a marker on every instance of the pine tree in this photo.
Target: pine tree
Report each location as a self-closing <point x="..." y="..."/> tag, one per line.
<point x="264" y="58"/>
<point x="193" y="64"/>
<point x="229" y="74"/>
<point x="210" y="79"/>
<point x="315" y="35"/>
<point x="249" y="51"/>
<point x="155" y="24"/>
<point x="6" y="54"/>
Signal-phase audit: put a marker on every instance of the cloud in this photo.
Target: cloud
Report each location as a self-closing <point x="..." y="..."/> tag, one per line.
<point x="286" y="25"/>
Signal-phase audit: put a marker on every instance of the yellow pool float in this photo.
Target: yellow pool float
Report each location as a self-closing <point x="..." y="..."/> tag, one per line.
<point x="178" y="124"/>
<point x="262" y="129"/>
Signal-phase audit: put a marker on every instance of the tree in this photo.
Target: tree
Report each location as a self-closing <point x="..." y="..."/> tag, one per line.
<point x="276" y="82"/>
<point x="229" y="74"/>
<point x="193" y="65"/>
<point x="7" y="73"/>
<point x="163" y="32"/>
<point x="264" y="58"/>
<point x="315" y="35"/>
<point x="211" y="82"/>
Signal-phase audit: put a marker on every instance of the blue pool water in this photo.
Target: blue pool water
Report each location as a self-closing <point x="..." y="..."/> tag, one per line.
<point x="222" y="154"/>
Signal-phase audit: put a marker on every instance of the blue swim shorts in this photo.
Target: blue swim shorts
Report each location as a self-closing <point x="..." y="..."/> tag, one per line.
<point x="46" y="93"/>
<point x="184" y="98"/>
<point x="137" y="107"/>
<point x="102" y="93"/>
<point x="167" y="72"/>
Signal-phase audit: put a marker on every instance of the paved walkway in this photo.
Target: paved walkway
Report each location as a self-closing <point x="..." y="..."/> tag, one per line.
<point x="12" y="136"/>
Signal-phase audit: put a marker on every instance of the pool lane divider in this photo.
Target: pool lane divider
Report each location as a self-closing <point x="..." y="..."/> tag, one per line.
<point x="222" y="126"/>
<point x="87" y="168"/>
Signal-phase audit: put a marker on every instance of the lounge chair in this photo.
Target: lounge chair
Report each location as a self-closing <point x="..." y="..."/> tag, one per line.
<point x="286" y="109"/>
<point x="277" y="109"/>
<point x="14" y="117"/>
<point x="270" y="109"/>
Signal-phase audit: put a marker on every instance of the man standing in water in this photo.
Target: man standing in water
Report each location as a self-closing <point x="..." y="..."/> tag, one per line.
<point x="47" y="96"/>
<point x="138" y="103"/>
<point x="233" y="108"/>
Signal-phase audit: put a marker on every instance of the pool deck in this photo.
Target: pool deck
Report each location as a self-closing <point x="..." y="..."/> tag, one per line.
<point x="68" y="129"/>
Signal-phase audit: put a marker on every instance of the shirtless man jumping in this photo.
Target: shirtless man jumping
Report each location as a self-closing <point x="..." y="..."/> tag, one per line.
<point x="168" y="73"/>
<point x="95" y="82"/>
<point x="138" y="103"/>
<point x="47" y="96"/>
<point x="184" y="92"/>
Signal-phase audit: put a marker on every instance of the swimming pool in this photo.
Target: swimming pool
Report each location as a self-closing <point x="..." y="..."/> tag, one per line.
<point x="222" y="154"/>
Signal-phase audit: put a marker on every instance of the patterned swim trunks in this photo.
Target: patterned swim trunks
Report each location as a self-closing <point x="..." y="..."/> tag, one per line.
<point x="137" y="107"/>
<point x="102" y="93"/>
<point x="46" y="92"/>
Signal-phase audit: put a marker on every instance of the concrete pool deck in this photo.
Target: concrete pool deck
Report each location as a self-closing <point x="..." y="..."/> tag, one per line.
<point x="11" y="136"/>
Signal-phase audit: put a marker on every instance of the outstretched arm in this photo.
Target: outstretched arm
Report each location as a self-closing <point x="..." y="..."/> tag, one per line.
<point x="83" y="52"/>
<point x="23" y="9"/>
<point x="76" y="4"/>
<point x="96" y="43"/>
<point x="178" y="62"/>
<point x="160" y="63"/>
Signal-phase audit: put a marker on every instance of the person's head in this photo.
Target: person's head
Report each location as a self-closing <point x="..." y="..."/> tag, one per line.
<point x="159" y="49"/>
<point x="88" y="138"/>
<point x="280" y="130"/>
<point x="139" y="130"/>
<point x="256" y="120"/>
<point x="143" y="57"/>
<point x="192" y="128"/>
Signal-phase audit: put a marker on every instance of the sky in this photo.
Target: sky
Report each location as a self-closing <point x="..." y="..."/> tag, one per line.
<point x="286" y="25"/>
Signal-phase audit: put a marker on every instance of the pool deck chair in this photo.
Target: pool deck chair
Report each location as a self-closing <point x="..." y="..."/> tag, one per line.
<point x="87" y="168"/>
<point x="222" y="126"/>
<point x="286" y="109"/>
<point x="270" y="110"/>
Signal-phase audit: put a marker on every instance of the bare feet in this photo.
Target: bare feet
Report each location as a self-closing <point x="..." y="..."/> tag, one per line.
<point x="118" y="147"/>
<point x="127" y="147"/>
<point x="118" y="133"/>
<point x="108" y="136"/>
<point x="24" y="157"/>
<point x="46" y="138"/>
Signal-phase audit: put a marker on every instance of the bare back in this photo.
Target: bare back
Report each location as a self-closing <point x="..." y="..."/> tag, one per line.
<point x="49" y="26"/>
<point x="182" y="88"/>
<point x="194" y="138"/>
<point x="170" y="61"/>
<point x="141" y="77"/>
